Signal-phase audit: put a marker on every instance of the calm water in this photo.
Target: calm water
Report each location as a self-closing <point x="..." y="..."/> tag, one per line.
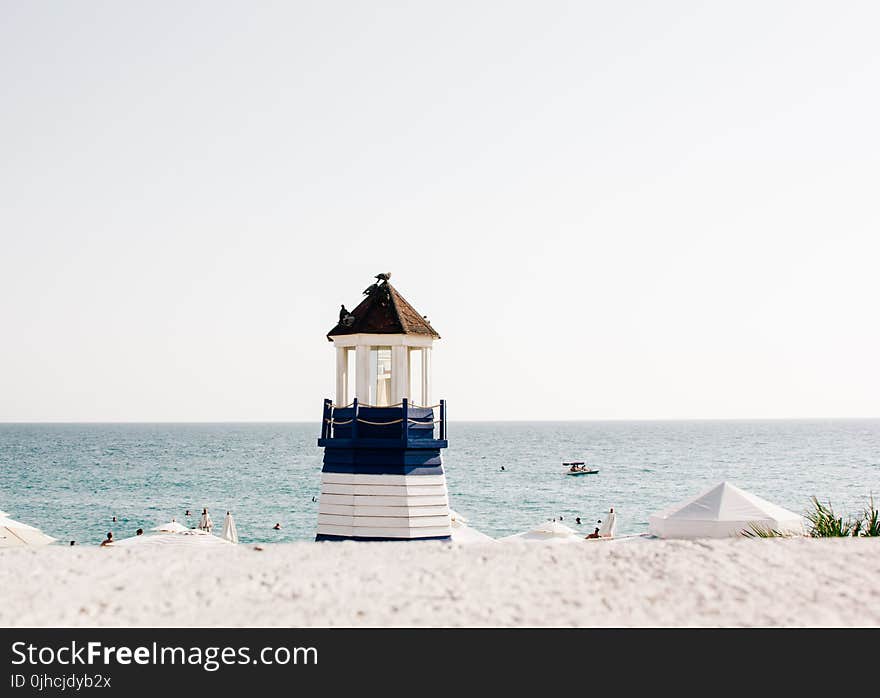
<point x="71" y="479"/>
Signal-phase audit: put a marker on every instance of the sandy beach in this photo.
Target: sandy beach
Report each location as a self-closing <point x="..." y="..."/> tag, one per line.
<point x="797" y="582"/>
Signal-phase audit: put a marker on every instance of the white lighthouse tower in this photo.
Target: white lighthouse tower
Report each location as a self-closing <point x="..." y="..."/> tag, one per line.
<point x="383" y="476"/>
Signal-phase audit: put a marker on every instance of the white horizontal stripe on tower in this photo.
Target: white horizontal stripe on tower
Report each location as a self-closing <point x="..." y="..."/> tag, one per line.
<point x="398" y="490"/>
<point x="363" y="510"/>
<point x="384" y="500"/>
<point x="378" y="532"/>
<point x="361" y="479"/>
<point x="384" y="521"/>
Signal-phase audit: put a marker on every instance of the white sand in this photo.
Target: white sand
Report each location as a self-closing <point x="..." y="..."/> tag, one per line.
<point x="648" y="583"/>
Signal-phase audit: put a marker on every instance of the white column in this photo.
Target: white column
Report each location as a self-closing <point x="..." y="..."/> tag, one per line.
<point x="399" y="374"/>
<point x="407" y="372"/>
<point x="341" y="377"/>
<point x="426" y="375"/>
<point x="362" y="364"/>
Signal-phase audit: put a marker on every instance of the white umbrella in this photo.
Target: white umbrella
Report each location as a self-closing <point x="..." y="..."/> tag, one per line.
<point x="547" y="532"/>
<point x="229" y="532"/>
<point x="14" y="534"/>
<point x="171" y="527"/>
<point x="464" y="534"/>
<point x="721" y="512"/>
<point x="609" y="524"/>
<point x="186" y="539"/>
<point x="205" y="523"/>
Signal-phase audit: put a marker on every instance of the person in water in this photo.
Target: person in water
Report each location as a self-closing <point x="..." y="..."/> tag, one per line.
<point x="187" y="513"/>
<point x="139" y="532"/>
<point x="114" y="519"/>
<point x="578" y="520"/>
<point x="109" y="539"/>
<point x="502" y="467"/>
<point x="594" y="534"/>
<point x="277" y="527"/>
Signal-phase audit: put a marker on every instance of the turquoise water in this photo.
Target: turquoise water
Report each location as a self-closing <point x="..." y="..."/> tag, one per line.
<point x="71" y="479"/>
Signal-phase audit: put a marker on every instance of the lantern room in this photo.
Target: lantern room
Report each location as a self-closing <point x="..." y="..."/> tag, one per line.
<point x="383" y="351"/>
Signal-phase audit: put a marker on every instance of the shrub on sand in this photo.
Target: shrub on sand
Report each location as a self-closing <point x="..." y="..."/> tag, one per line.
<point x="871" y="520"/>
<point x="824" y="523"/>
<point x="758" y="531"/>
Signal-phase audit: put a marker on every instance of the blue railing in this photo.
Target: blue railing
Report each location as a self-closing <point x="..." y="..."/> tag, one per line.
<point x="405" y="422"/>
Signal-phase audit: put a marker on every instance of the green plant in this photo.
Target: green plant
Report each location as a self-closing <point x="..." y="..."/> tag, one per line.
<point x="824" y="523"/>
<point x="871" y="520"/>
<point x="758" y="531"/>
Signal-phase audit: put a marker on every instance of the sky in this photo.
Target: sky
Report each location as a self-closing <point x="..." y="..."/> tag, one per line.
<point x="631" y="210"/>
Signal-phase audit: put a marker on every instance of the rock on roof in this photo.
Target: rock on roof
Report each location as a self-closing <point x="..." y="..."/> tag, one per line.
<point x="385" y="311"/>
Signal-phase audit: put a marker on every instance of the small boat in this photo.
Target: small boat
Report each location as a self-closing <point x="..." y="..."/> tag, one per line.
<point x="578" y="467"/>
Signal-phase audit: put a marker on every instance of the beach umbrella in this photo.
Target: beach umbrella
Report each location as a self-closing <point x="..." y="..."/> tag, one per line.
<point x="229" y="532"/>
<point x="609" y="524"/>
<point x="722" y="512"/>
<point x="171" y="527"/>
<point x="547" y="532"/>
<point x="14" y="534"/>
<point x="188" y="539"/>
<point x="464" y="534"/>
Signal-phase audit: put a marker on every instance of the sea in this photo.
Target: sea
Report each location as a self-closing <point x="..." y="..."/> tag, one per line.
<point x="70" y="480"/>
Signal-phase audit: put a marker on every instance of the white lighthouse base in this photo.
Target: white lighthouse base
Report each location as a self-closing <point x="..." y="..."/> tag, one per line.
<point x="383" y="507"/>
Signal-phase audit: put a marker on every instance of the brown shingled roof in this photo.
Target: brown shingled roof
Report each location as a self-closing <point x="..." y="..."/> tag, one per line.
<point x="385" y="311"/>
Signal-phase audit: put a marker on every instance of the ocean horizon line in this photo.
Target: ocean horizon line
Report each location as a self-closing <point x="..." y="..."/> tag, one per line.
<point x="459" y="421"/>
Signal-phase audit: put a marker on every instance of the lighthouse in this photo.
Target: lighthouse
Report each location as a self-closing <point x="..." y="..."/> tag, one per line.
<point x="382" y="478"/>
